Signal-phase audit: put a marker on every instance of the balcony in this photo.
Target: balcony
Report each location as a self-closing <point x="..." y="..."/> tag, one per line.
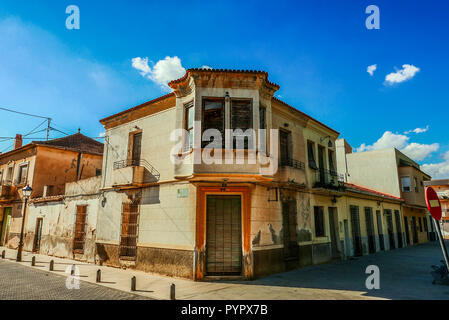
<point x="292" y="170"/>
<point x="134" y="172"/>
<point x="6" y="191"/>
<point x="328" y="179"/>
<point x="292" y="163"/>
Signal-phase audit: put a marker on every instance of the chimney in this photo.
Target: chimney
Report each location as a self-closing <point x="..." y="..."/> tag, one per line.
<point x="18" y="141"/>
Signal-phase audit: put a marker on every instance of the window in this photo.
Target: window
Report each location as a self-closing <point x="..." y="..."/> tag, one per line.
<point x="262" y="118"/>
<point x="97" y="172"/>
<point x="405" y="182"/>
<point x="311" y="155"/>
<point x="284" y="146"/>
<point x="23" y="170"/>
<point x="416" y="183"/>
<point x="331" y="161"/>
<point x="263" y="126"/>
<point x="1" y="176"/>
<point x="213" y="118"/>
<point x="319" y="221"/>
<point x="9" y="173"/>
<point x="189" y="116"/>
<point x="242" y="118"/>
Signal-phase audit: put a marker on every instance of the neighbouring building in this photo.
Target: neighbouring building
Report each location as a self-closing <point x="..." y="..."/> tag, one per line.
<point x="65" y="225"/>
<point x="46" y="166"/>
<point x="179" y="203"/>
<point x="442" y="188"/>
<point x="392" y="172"/>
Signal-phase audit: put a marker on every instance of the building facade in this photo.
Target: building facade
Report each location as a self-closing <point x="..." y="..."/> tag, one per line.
<point x="185" y="193"/>
<point x="393" y="172"/>
<point x="46" y="166"/>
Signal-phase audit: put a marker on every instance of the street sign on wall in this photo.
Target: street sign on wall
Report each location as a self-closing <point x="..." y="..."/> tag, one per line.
<point x="433" y="203"/>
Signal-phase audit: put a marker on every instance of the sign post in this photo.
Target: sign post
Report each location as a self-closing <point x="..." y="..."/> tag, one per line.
<point x="434" y="206"/>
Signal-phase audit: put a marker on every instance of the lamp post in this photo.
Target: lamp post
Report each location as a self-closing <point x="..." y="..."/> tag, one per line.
<point x="26" y="192"/>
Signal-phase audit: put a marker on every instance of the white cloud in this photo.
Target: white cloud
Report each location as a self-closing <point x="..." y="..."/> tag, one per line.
<point x="418" y="151"/>
<point x="417" y="130"/>
<point x="371" y="69"/>
<point x="388" y="140"/>
<point x="407" y="72"/>
<point x="164" y="71"/>
<point x="414" y="150"/>
<point x="102" y="134"/>
<point x="438" y="170"/>
<point x="205" y="67"/>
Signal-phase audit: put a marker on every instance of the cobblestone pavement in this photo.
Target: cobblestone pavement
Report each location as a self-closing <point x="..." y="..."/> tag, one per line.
<point x="18" y="282"/>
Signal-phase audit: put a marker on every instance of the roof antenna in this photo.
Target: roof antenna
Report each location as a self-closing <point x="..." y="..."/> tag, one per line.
<point x="79" y="130"/>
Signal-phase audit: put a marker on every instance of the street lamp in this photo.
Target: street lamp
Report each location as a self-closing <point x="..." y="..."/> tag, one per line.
<point x="26" y="193"/>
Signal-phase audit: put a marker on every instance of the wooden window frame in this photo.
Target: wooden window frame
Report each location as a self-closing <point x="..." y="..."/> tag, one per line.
<point x="186" y="108"/>
<point x="131" y="144"/>
<point x="203" y="107"/>
<point x="311" y="162"/>
<point x="20" y="172"/>
<point x="251" y="124"/>
<point x="410" y="184"/>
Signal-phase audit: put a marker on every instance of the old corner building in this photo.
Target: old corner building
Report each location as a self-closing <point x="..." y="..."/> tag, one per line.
<point x="199" y="220"/>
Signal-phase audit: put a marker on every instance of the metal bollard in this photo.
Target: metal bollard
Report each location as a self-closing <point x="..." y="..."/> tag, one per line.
<point x="3" y="254"/>
<point x="98" y="275"/>
<point x="172" y="292"/>
<point x="33" y="261"/>
<point x="52" y="265"/>
<point x="133" y="283"/>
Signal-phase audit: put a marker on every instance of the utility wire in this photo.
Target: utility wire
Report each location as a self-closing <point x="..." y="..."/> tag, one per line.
<point x="24" y="113"/>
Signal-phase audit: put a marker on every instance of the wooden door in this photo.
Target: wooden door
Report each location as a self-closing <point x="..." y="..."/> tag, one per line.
<point x="128" y="238"/>
<point x="38" y="235"/>
<point x="370" y="229"/>
<point x="137" y="148"/>
<point x="355" y="226"/>
<point x="223" y="235"/>
<point x="80" y="229"/>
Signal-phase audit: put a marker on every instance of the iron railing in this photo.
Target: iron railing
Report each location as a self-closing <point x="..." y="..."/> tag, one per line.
<point x="329" y="179"/>
<point x="138" y="163"/>
<point x="293" y="163"/>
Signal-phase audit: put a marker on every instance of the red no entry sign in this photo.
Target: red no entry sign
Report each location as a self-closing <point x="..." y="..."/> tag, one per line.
<point x="433" y="203"/>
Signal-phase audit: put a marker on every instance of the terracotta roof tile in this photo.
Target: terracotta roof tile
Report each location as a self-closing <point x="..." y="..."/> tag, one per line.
<point x="371" y="191"/>
<point x="77" y="141"/>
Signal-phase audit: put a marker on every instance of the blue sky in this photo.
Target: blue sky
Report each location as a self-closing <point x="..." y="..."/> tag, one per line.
<point x="317" y="51"/>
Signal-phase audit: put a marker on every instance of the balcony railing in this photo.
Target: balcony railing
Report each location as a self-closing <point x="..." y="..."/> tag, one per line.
<point x="328" y="179"/>
<point x="292" y="163"/>
<point x="138" y="163"/>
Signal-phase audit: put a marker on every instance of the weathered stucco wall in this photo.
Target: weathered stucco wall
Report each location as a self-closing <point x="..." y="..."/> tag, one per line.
<point x="59" y="221"/>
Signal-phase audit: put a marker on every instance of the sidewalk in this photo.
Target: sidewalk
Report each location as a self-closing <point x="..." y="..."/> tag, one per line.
<point x="158" y="287"/>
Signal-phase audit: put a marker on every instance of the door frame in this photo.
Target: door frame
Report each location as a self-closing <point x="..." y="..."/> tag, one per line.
<point x="201" y="225"/>
<point x="36" y="239"/>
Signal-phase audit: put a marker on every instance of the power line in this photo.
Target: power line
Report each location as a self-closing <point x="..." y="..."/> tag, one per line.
<point x="24" y="113"/>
